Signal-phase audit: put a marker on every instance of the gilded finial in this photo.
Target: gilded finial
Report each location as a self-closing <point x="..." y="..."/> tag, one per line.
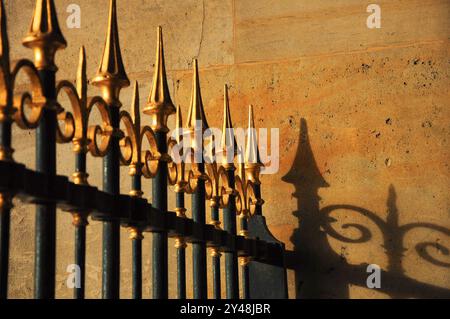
<point x="80" y="140"/>
<point x="196" y="112"/>
<point x="111" y="75"/>
<point x="159" y="105"/>
<point x="179" y="125"/>
<point x="134" y="128"/>
<point x="253" y="162"/>
<point x="228" y="143"/>
<point x="177" y="168"/>
<point x="45" y="36"/>
<point x="81" y="75"/>
<point x="135" y="113"/>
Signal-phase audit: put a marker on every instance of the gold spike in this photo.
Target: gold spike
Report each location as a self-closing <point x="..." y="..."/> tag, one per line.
<point x="179" y="119"/>
<point x="179" y="125"/>
<point x="45" y="36"/>
<point x="252" y="160"/>
<point x="196" y="111"/>
<point x="80" y="140"/>
<point x="227" y="133"/>
<point x="241" y="164"/>
<point x="111" y="75"/>
<point x="135" y="107"/>
<point x="81" y="75"/>
<point x="4" y="43"/>
<point x="159" y="105"/>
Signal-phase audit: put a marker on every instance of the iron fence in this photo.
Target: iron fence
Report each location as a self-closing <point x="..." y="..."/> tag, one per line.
<point x="234" y="190"/>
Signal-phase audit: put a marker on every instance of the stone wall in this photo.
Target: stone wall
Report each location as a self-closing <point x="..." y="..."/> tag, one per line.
<point x="364" y="131"/>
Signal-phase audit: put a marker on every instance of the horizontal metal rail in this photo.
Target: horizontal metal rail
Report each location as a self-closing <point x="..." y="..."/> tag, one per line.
<point x="39" y="188"/>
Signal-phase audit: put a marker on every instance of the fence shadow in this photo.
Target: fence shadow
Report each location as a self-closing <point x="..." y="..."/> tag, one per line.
<point x="321" y="272"/>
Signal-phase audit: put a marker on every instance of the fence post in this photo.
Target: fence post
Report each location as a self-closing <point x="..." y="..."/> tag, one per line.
<point x="45" y="38"/>
<point x="111" y="78"/>
<point x="229" y="211"/>
<point x="197" y="124"/>
<point x="177" y="177"/>
<point x="259" y="275"/>
<point x="160" y="107"/>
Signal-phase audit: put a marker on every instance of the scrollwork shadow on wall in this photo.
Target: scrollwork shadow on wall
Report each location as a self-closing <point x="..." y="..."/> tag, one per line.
<point x="320" y="271"/>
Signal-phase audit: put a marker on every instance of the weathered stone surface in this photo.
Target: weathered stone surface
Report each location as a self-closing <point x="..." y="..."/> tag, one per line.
<point x="364" y="132"/>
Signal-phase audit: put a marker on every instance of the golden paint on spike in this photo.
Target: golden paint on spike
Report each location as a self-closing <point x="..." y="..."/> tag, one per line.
<point x="135" y="114"/>
<point x="159" y="105"/>
<point x="81" y="75"/>
<point x="45" y="36"/>
<point x="177" y="170"/>
<point x="133" y="127"/>
<point x="196" y="112"/>
<point x="252" y="160"/>
<point x="111" y="76"/>
<point x="179" y="125"/>
<point x="228" y="143"/>
<point x="80" y="140"/>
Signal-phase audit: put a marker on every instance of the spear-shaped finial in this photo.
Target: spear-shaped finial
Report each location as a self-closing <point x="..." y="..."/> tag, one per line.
<point x="228" y="143"/>
<point x="253" y="162"/>
<point x="159" y="105"/>
<point x="111" y="73"/>
<point x="80" y="140"/>
<point x="179" y="125"/>
<point x="45" y="36"/>
<point x="196" y="115"/>
<point x="4" y="43"/>
<point x="81" y="75"/>
<point x="135" y="113"/>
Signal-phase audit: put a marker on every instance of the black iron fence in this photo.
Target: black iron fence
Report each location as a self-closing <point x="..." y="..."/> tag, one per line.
<point x="233" y="189"/>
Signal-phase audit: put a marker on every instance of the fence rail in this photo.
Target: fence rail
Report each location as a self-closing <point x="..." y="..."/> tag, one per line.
<point x="230" y="188"/>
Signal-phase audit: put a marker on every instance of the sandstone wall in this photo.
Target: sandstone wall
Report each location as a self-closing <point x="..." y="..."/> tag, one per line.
<point x="364" y="131"/>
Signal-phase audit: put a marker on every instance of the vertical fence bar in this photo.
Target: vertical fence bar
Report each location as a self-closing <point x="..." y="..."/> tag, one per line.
<point x="5" y="207"/>
<point x="197" y="125"/>
<point x="136" y="246"/>
<point x="6" y="152"/>
<point x="80" y="223"/>
<point x="160" y="107"/>
<point x="229" y="149"/>
<point x="250" y="174"/>
<point x="45" y="38"/>
<point x="80" y="177"/>
<point x="229" y="224"/>
<point x="134" y="130"/>
<point x="111" y="228"/>
<point x="243" y="261"/>
<point x="215" y="253"/>
<point x="180" y="245"/>
<point x="45" y="235"/>
<point x="176" y="171"/>
<point x="111" y="78"/>
<point x="199" y="249"/>
<point x="159" y="201"/>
